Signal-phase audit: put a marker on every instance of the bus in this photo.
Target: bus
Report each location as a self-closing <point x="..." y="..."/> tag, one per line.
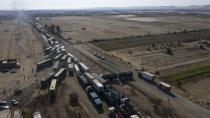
<point x="52" y="91"/>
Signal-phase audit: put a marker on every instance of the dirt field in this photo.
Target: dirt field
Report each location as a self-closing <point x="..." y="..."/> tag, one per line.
<point x="86" y="28"/>
<point x="18" y="41"/>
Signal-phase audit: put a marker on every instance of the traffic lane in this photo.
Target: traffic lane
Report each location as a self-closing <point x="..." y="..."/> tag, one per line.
<point x="106" y="63"/>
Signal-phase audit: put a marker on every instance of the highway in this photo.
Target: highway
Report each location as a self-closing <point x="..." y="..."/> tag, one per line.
<point x="181" y="104"/>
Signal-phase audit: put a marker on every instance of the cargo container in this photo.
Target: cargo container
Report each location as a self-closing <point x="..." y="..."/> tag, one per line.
<point x="77" y="70"/>
<point x="44" y="64"/>
<point x="97" y="86"/>
<point x="70" y="69"/>
<point x="84" y="67"/>
<point x="89" y="77"/>
<point x="100" y="79"/>
<point x="146" y="76"/>
<point x="164" y="86"/>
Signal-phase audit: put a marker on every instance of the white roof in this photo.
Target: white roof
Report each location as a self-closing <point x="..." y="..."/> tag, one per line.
<point x="165" y="84"/>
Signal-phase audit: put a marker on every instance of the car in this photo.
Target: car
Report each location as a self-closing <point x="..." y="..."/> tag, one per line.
<point x="14" y="102"/>
<point x="3" y="102"/>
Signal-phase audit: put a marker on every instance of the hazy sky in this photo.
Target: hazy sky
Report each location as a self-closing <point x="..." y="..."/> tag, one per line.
<point x="75" y="4"/>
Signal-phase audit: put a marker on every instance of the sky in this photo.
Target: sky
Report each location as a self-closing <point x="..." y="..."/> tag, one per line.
<point x="83" y="4"/>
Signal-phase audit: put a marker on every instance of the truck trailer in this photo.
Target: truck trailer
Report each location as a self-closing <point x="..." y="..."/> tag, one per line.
<point x="146" y="76"/>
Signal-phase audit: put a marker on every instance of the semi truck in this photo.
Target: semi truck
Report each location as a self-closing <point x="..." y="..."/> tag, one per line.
<point x="100" y="79"/>
<point x="44" y="64"/>
<point x="77" y="70"/>
<point x="56" y="66"/>
<point x="89" y="77"/>
<point x="83" y="81"/>
<point x="97" y="86"/>
<point x="125" y="76"/>
<point x="84" y="67"/>
<point x="96" y="101"/>
<point x="146" y="76"/>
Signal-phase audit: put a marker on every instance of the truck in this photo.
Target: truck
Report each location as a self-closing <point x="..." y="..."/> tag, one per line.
<point x="125" y="76"/>
<point x="84" y="67"/>
<point x="53" y="91"/>
<point x="147" y="76"/>
<point x="100" y="79"/>
<point x="70" y="69"/>
<point x="96" y="101"/>
<point x="60" y="75"/>
<point x="109" y="76"/>
<point x="83" y="81"/>
<point x="97" y="86"/>
<point x="44" y="64"/>
<point x="164" y="87"/>
<point x="56" y="66"/>
<point x="89" y="76"/>
<point x="111" y="96"/>
<point x="77" y="70"/>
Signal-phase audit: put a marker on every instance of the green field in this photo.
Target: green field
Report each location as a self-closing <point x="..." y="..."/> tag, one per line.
<point x="135" y="41"/>
<point x="193" y="73"/>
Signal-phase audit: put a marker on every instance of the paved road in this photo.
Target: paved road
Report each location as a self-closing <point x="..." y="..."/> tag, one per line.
<point x="182" y="104"/>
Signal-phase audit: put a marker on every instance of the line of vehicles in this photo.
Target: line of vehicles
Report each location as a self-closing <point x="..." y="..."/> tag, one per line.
<point x="96" y="86"/>
<point x="151" y="79"/>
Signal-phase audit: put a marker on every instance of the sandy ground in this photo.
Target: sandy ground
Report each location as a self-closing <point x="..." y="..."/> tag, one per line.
<point x="86" y="28"/>
<point x="157" y="58"/>
<point x="18" y="42"/>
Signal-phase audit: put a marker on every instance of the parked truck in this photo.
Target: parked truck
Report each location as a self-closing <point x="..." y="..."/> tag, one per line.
<point x="44" y="64"/>
<point x="147" y="76"/>
<point x="100" y="79"/>
<point x="97" y="86"/>
<point x="95" y="100"/>
<point x="77" y="70"/>
<point x="125" y="76"/>
<point x="84" y="67"/>
<point x="56" y="66"/>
